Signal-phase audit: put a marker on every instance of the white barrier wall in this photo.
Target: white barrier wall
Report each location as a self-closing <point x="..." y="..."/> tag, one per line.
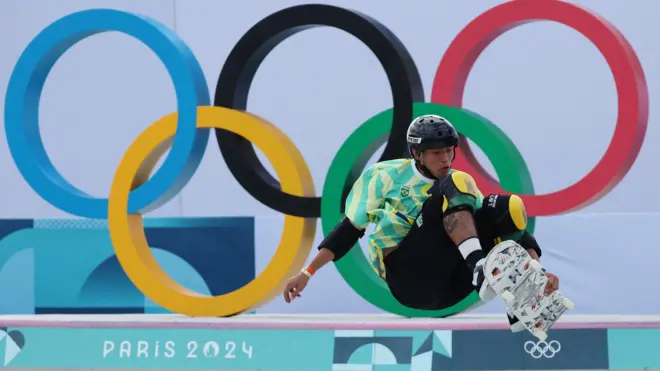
<point x="544" y="84"/>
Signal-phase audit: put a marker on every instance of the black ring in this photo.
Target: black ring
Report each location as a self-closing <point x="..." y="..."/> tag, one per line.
<point x="241" y="66"/>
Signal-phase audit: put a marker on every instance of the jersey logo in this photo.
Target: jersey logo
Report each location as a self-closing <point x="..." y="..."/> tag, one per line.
<point x="405" y="191"/>
<point x="492" y="201"/>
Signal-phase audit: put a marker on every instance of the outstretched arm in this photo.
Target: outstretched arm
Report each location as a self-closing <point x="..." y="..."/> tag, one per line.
<point x="337" y="244"/>
<point x="365" y="196"/>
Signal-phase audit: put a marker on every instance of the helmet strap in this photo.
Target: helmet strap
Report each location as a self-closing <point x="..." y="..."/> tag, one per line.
<point x="423" y="169"/>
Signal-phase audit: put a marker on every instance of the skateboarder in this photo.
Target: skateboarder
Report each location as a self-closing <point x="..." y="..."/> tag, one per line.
<point x="433" y="227"/>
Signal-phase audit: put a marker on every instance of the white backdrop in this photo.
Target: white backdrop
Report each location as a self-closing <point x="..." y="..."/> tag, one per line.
<point x="544" y="84"/>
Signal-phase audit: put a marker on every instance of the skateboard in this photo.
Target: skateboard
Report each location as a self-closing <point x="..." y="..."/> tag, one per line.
<point x="520" y="281"/>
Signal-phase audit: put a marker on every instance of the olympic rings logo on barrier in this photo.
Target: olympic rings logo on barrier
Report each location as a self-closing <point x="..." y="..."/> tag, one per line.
<point x="542" y="348"/>
<point x="134" y="193"/>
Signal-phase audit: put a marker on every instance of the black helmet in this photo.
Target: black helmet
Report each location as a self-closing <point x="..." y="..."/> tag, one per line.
<point x="431" y="131"/>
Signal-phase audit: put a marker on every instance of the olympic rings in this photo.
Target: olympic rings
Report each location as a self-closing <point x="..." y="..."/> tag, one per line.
<point x="250" y="51"/>
<point x="134" y="253"/>
<point x="27" y="82"/>
<point x="133" y="193"/>
<point x="353" y="155"/>
<point x="542" y="348"/>
<point x="633" y="111"/>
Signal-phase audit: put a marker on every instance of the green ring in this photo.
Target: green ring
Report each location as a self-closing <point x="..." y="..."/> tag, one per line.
<point x="349" y="163"/>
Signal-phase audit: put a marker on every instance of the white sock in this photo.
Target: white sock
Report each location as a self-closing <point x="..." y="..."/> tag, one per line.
<point x="472" y="252"/>
<point x="469" y="246"/>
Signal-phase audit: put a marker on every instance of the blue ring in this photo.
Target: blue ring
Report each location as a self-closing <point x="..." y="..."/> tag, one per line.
<point x="26" y="85"/>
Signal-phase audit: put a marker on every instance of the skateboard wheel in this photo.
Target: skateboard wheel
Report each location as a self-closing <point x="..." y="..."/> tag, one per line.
<point x="535" y="265"/>
<point x="508" y="298"/>
<point x="540" y="334"/>
<point x="568" y="304"/>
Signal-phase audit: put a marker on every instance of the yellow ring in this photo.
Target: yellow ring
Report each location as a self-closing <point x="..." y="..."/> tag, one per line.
<point x="127" y="231"/>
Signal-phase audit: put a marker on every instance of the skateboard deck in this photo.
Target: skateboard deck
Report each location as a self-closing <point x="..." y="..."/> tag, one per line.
<point x="520" y="281"/>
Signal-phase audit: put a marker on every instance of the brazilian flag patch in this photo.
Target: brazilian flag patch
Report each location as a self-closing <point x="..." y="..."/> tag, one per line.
<point x="405" y="191"/>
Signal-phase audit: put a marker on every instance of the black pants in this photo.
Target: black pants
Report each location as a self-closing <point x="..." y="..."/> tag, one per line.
<point x="427" y="271"/>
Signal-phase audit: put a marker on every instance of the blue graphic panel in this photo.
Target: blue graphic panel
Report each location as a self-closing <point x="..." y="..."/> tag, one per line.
<point x="579" y="349"/>
<point x="392" y="350"/>
<point x="69" y="265"/>
<point x="178" y="349"/>
<point x="312" y="350"/>
<point x="634" y="349"/>
<point x="469" y="350"/>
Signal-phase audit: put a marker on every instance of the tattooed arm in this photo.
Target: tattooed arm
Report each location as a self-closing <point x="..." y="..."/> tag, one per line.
<point x="460" y="226"/>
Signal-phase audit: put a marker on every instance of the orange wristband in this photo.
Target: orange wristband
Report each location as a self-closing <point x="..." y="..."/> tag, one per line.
<point x="308" y="271"/>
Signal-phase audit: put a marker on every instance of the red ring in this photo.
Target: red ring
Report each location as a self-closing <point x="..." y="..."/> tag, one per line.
<point x="633" y="101"/>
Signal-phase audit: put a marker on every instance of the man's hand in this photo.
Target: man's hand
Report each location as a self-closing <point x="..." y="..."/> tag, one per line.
<point x="295" y="286"/>
<point x="533" y="254"/>
<point x="552" y="285"/>
<point x="553" y="281"/>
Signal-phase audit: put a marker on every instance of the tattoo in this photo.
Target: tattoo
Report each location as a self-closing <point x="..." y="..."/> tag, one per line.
<point x="460" y="226"/>
<point x="451" y="222"/>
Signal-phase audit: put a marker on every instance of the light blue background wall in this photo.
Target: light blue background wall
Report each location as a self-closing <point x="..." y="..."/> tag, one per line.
<point x="322" y="83"/>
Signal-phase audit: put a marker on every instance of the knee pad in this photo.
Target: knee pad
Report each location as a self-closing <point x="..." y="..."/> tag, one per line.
<point x="458" y="191"/>
<point x="501" y="215"/>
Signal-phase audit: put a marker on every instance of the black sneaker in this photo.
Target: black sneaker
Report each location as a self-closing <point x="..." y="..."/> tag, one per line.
<point x="516" y="325"/>
<point x="486" y="293"/>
